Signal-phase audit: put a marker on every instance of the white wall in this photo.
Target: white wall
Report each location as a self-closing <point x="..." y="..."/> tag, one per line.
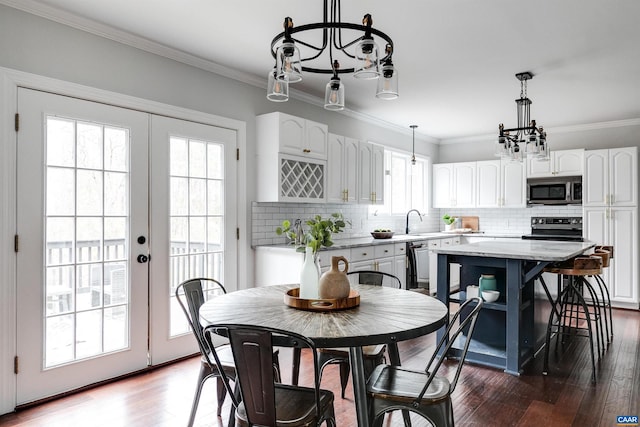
<point x="36" y="45"/>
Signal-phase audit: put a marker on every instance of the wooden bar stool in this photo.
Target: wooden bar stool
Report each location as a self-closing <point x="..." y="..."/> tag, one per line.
<point x="606" y="253"/>
<point x="571" y="315"/>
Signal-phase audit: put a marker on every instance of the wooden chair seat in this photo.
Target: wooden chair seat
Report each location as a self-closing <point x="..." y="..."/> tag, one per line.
<point x="577" y="266"/>
<point x="605" y="255"/>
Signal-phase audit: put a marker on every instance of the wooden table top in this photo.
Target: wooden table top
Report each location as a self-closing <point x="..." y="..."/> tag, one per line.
<point x="384" y="315"/>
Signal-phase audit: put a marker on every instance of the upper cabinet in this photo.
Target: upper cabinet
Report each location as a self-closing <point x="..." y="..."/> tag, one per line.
<point x="611" y="177"/>
<point x="560" y="163"/>
<point x="454" y="185"/>
<point x="342" y="169"/>
<point x="371" y="173"/>
<point x="293" y="135"/>
<point x="500" y="183"/>
<point x="291" y="159"/>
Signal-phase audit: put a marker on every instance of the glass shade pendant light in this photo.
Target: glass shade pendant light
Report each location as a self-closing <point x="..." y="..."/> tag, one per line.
<point x="288" y="56"/>
<point x="367" y="60"/>
<point x="334" y="92"/>
<point x="277" y="88"/>
<point x="388" y="80"/>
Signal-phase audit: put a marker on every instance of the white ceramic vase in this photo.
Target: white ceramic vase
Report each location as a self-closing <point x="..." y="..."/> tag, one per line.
<point x="309" y="276"/>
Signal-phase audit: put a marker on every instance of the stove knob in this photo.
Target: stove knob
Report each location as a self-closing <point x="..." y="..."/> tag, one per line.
<point x="574" y="220"/>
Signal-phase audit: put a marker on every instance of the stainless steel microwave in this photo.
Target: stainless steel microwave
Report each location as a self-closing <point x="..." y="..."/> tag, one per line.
<point x="565" y="190"/>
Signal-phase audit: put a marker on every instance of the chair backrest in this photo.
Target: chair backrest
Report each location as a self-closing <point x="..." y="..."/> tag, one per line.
<point x="191" y="294"/>
<point x="252" y="348"/>
<point x="377" y="278"/>
<point x="449" y="339"/>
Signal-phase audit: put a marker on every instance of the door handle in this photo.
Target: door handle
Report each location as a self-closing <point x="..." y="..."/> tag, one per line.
<point x="142" y="258"/>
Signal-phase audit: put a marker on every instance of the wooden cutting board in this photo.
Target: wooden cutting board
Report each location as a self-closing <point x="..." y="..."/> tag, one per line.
<point x="471" y="222"/>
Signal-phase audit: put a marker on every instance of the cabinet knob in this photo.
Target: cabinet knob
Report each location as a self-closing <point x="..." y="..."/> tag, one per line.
<point x="306" y="150"/>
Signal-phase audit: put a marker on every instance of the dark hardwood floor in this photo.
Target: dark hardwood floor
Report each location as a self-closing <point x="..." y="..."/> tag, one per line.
<point x="484" y="397"/>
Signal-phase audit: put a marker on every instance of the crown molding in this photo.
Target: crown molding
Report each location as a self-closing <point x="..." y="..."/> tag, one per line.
<point x="553" y="130"/>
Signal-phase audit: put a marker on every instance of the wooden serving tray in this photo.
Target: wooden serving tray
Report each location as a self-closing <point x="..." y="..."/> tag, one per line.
<point x="292" y="299"/>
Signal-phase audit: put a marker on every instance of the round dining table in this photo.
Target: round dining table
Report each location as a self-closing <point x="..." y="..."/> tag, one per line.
<point x="384" y="316"/>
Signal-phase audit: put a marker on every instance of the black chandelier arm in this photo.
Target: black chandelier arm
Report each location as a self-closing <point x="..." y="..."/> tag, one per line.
<point x="532" y="129"/>
<point x="326" y="25"/>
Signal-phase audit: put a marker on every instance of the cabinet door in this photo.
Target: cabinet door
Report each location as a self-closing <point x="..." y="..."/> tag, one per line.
<point x="336" y="191"/>
<point x="464" y="184"/>
<point x="365" y="186"/>
<point x="624" y="238"/>
<point x="623" y="171"/>
<point x="568" y="162"/>
<point x="539" y="168"/>
<point x="514" y="185"/>
<point x="350" y="172"/>
<point x="377" y="173"/>
<point x="400" y="270"/>
<point x="292" y="134"/>
<point x="488" y="184"/>
<point x="595" y="188"/>
<point x="315" y="139"/>
<point x="386" y="265"/>
<point x="442" y="185"/>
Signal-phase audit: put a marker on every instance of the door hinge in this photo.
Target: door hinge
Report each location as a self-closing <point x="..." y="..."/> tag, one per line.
<point x="16" y="241"/>
<point x="238" y="233"/>
<point x="237" y="154"/>
<point x="17" y="122"/>
<point x="15" y="365"/>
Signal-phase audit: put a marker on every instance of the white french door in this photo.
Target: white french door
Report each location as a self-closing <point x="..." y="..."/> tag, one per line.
<point x="115" y="207"/>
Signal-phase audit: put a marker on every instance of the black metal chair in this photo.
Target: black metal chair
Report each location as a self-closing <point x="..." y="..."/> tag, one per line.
<point x="373" y="354"/>
<point x="191" y="294"/>
<point x="427" y="393"/>
<point x="264" y="401"/>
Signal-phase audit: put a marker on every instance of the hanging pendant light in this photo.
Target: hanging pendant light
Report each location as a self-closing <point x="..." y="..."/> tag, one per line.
<point x="413" y="147"/>
<point x="334" y="92"/>
<point x="388" y="81"/>
<point x="277" y="88"/>
<point x="527" y="139"/>
<point x="305" y="49"/>
<point x="288" y="56"/>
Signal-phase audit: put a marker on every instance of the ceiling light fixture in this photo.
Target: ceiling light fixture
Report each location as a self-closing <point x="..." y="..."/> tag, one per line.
<point x="361" y="50"/>
<point x="413" y="147"/>
<point x="528" y="140"/>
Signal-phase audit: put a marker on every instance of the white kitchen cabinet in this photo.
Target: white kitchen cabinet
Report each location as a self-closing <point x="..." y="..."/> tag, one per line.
<point x="285" y="174"/>
<point x="342" y="169"/>
<point x="388" y="258"/>
<point x="370" y="173"/>
<point x="454" y="185"/>
<point x="292" y="135"/>
<point x="560" y="163"/>
<point x="617" y="226"/>
<point x="500" y="183"/>
<point x="611" y="177"/>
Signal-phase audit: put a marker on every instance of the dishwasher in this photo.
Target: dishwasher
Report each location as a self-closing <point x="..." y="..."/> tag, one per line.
<point x="423" y="265"/>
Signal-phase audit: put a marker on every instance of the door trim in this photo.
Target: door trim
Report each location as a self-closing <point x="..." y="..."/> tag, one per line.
<point x="10" y="80"/>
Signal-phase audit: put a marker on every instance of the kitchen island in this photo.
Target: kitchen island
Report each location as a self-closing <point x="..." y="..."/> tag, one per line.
<point x="505" y="335"/>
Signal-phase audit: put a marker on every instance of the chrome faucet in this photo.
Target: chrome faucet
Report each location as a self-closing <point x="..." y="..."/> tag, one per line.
<point x="419" y="216"/>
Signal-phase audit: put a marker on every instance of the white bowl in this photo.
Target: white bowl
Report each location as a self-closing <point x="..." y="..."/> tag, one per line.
<point x="490" y="296"/>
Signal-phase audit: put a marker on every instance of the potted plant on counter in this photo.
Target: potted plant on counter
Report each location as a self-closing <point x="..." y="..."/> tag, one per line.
<point x="448" y="222"/>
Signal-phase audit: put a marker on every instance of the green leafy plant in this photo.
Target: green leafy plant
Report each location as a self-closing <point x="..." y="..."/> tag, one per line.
<point x="319" y="232"/>
<point x="448" y="219"/>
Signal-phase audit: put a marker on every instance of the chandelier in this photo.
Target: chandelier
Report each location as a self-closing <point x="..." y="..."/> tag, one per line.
<point x="527" y="139"/>
<point x="325" y="45"/>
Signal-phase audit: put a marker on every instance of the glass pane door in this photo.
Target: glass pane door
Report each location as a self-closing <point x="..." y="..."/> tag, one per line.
<point x="82" y="295"/>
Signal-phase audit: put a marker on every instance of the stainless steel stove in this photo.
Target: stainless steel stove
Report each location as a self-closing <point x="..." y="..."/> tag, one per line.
<point x="556" y="228"/>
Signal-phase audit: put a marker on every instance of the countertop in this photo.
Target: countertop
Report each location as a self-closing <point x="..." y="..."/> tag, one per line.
<point x="398" y="238"/>
<point x="535" y="250"/>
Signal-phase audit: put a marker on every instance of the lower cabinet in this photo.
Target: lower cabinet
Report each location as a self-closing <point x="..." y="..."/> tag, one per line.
<point x="454" y="269"/>
<point x="390" y="259"/>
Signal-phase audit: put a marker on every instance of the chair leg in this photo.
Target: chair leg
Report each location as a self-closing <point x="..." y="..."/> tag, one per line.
<point x="344" y="375"/>
<point x="222" y="393"/>
<point x="202" y="376"/>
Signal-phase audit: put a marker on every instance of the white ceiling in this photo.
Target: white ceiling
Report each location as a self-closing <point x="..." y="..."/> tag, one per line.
<point x="456" y="59"/>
